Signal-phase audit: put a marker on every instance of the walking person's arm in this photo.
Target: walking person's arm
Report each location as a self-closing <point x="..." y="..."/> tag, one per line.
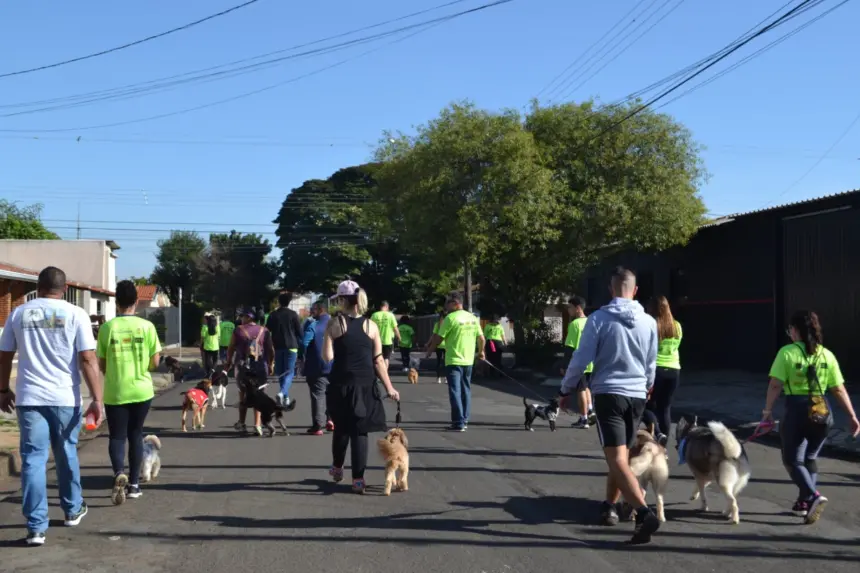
<point x="844" y="400"/>
<point x="482" y="343"/>
<point x="774" y="389"/>
<point x="379" y="361"/>
<point x="297" y="329"/>
<point x="85" y="344"/>
<point x="8" y="347"/>
<point x="582" y="357"/>
<point x="651" y="361"/>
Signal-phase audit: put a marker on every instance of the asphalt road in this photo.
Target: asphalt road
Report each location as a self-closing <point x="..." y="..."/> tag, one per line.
<point x="493" y="499"/>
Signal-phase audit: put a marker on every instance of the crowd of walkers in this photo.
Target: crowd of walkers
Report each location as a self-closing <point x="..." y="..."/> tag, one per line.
<point x="623" y="363"/>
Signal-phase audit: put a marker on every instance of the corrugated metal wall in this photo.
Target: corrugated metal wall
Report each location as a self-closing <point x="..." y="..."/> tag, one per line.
<point x="821" y="267"/>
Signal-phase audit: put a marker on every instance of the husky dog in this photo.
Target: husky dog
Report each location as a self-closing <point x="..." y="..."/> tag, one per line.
<point x="548" y="412"/>
<point x="151" y="460"/>
<point x="713" y="453"/>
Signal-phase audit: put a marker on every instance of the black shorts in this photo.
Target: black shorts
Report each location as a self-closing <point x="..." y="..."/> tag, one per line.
<point x="584" y="383"/>
<point x="617" y="419"/>
<point x="386" y="350"/>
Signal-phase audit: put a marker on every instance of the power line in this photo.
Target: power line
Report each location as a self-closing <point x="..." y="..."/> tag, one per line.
<point x="607" y="48"/>
<point x="208" y="74"/>
<point x="422" y="27"/>
<point x="589" y="48"/>
<point x="76" y="140"/>
<point x="130" y="44"/>
<point x="573" y="90"/>
<point x="714" y="60"/>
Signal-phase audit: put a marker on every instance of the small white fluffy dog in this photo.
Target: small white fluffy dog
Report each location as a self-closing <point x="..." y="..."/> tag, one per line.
<point x="151" y="460"/>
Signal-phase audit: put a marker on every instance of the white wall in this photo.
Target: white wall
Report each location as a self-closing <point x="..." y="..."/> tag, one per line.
<point x="88" y="262"/>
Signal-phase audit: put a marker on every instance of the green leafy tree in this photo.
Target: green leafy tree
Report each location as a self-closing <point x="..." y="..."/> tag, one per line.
<point x="176" y="265"/>
<point x="23" y="222"/>
<point x="467" y="187"/>
<point x="139" y="281"/>
<point x="235" y="271"/>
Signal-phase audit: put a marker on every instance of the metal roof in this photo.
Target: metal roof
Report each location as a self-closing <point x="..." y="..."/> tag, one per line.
<point x="730" y="218"/>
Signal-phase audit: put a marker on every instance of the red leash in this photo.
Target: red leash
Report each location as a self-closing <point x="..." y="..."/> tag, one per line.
<point x="764" y="428"/>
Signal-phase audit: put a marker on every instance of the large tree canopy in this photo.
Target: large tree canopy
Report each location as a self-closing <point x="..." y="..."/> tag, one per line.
<point x="22" y="222"/>
<point x="176" y="265"/>
<point x="234" y="271"/>
<point x="531" y="202"/>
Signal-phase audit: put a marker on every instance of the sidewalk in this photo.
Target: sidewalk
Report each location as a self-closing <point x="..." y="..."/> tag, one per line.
<point x="737" y="398"/>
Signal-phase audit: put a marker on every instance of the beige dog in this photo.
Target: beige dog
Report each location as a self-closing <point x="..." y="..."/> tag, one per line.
<point x="413" y="376"/>
<point x="393" y="448"/>
<point x="650" y="465"/>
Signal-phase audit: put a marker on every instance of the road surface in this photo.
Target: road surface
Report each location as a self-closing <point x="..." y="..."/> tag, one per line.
<point x="493" y="499"/>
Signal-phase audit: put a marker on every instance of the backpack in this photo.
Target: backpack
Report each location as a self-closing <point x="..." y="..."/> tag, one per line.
<point x="256" y="346"/>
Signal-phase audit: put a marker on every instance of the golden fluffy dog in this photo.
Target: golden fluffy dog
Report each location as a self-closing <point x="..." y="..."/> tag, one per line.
<point x="197" y="401"/>
<point x="393" y="448"/>
<point x="412" y="376"/>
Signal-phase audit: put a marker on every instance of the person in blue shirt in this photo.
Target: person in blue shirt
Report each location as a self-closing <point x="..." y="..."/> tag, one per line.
<point x="317" y="371"/>
<point x="307" y="336"/>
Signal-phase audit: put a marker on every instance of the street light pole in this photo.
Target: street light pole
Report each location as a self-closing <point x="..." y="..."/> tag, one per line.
<point x="180" y="322"/>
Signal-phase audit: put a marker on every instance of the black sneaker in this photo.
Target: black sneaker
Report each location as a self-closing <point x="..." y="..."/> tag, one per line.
<point x="75" y="518"/>
<point x="36" y="538"/>
<point x="663" y="440"/>
<point x="608" y="514"/>
<point x="291" y="405"/>
<point x="455" y="428"/>
<point x="646" y="525"/>
<point x="133" y="492"/>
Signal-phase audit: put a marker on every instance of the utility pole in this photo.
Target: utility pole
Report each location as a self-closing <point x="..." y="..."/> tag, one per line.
<point x="467" y="274"/>
<point x="79" y="220"/>
<point x="180" y="322"/>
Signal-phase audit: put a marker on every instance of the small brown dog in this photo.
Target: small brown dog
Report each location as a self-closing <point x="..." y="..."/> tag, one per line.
<point x="393" y="448"/>
<point x="413" y="376"/>
<point x="197" y="401"/>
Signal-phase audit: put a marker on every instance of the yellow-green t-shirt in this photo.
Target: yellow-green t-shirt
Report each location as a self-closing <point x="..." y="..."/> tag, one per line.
<point x="226" y="328"/>
<point x="791" y="364"/>
<point x="127" y="344"/>
<point x="574" y="333"/>
<point x="386" y="322"/>
<point x="210" y="342"/>
<point x="407" y="335"/>
<point x="667" y="353"/>
<point x="461" y="330"/>
<point x="494" y="332"/>
<point x="436" y="331"/>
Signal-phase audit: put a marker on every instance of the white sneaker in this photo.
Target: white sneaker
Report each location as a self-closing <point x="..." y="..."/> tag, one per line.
<point x="35" y="539"/>
<point x="438" y="380"/>
<point x="280" y="399"/>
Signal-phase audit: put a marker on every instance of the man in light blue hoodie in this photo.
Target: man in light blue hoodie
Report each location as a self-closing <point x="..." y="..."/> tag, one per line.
<point x="621" y="340"/>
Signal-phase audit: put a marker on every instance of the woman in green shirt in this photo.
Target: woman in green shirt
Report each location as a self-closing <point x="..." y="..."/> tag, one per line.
<point x="806" y="371"/>
<point x="127" y="349"/>
<point x="496" y="342"/>
<point x="668" y="374"/>
<point x="407" y="338"/>
<point x="210" y="340"/>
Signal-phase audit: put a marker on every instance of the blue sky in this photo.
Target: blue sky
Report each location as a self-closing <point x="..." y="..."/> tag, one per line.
<point x="765" y="125"/>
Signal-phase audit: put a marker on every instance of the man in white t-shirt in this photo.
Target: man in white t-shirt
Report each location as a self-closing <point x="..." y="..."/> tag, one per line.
<point x="55" y="343"/>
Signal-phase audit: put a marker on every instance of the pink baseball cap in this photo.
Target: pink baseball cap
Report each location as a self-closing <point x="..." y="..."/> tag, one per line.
<point x="347" y="288"/>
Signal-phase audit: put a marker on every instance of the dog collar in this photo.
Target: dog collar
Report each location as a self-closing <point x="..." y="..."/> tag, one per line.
<point x="682" y="452"/>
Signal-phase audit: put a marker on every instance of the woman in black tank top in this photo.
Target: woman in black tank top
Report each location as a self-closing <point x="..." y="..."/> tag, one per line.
<point x="353" y="399"/>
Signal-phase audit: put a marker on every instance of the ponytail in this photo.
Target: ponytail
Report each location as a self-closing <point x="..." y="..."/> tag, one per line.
<point x="808" y="328"/>
<point x="212" y="323"/>
<point x="360" y="302"/>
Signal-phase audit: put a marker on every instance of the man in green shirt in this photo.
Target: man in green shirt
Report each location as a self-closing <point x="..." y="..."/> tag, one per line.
<point x="388" y="331"/>
<point x="227" y="328"/>
<point x="461" y="332"/>
<point x="407" y="337"/>
<point x="576" y="308"/>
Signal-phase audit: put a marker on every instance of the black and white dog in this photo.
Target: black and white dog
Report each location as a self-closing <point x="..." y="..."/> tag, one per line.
<point x="220" y="380"/>
<point x="548" y="412"/>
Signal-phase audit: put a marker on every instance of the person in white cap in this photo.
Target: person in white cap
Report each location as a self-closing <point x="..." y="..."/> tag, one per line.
<point x="353" y="344"/>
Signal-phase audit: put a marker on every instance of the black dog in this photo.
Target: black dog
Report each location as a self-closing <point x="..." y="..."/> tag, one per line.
<point x="256" y="398"/>
<point x="174" y="367"/>
<point x="548" y="413"/>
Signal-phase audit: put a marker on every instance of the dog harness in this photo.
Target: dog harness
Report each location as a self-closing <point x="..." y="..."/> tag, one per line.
<point x="682" y="452"/>
<point x="198" y="396"/>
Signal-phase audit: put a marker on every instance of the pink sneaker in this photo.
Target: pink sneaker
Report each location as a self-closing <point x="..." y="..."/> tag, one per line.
<point x="336" y="474"/>
<point x="358" y="486"/>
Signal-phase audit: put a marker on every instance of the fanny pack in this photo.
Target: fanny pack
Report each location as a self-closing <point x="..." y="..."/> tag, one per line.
<point x="818" y="412"/>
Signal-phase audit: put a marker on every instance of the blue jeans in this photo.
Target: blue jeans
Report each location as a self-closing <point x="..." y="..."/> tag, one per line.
<point x="57" y="428"/>
<point x="222" y="354"/>
<point x="459" y="393"/>
<point x="285" y="368"/>
<point x="802" y="442"/>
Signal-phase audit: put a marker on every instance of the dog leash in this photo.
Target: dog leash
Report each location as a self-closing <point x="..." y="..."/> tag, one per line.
<point x="763" y="429"/>
<point x="397" y="419"/>
<point x="517" y="382"/>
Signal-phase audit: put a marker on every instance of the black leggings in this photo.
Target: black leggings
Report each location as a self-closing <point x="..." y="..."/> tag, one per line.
<point x="340" y="441"/>
<point x="125" y="423"/>
<point x="440" y="363"/>
<point x="210" y="360"/>
<point x="665" y="384"/>
<point x="404" y="356"/>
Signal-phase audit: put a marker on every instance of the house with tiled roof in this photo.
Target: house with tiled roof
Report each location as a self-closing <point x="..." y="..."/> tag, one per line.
<point x="150" y="296"/>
